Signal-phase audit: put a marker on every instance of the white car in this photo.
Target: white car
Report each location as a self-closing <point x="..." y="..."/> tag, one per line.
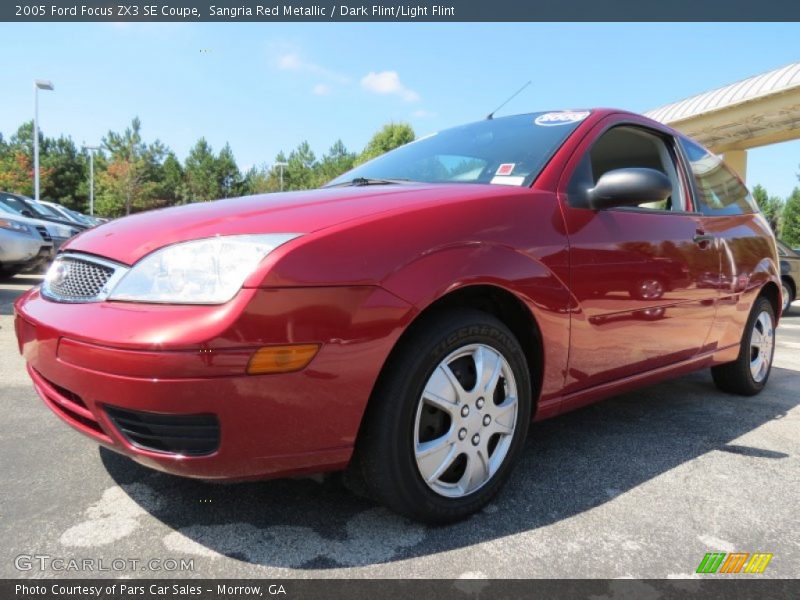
<point x="66" y="213"/>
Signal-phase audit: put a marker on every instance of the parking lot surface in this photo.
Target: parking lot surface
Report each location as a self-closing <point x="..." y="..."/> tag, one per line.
<point x="641" y="485"/>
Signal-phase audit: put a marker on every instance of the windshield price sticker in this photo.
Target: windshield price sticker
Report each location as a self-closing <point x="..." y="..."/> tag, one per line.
<point x="561" y="118"/>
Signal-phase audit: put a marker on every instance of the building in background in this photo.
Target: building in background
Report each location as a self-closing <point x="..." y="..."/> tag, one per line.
<point x="730" y="120"/>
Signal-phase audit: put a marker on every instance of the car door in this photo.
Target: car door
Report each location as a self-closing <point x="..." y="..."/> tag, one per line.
<point x="643" y="278"/>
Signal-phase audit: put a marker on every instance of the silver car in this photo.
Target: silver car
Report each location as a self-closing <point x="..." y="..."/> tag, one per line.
<point x="22" y="246"/>
<point x="49" y="231"/>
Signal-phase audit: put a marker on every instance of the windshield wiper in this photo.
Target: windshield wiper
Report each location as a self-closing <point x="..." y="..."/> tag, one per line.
<point x="359" y="181"/>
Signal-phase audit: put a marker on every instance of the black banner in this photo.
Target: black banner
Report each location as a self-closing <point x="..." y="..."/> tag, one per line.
<point x="440" y="10"/>
<point x="398" y="589"/>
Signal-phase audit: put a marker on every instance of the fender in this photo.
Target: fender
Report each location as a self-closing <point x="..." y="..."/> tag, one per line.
<point x="435" y="274"/>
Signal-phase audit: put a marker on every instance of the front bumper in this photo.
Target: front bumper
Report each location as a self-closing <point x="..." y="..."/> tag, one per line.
<point x="59" y="241"/>
<point x="268" y="425"/>
<point x="22" y="249"/>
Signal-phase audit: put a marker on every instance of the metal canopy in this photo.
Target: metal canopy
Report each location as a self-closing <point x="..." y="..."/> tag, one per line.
<point x="761" y="110"/>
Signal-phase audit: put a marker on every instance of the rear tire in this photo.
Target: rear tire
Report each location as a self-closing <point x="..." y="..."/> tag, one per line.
<point x="787" y="296"/>
<point x="748" y="374"/>
<point x="448" y="418"/>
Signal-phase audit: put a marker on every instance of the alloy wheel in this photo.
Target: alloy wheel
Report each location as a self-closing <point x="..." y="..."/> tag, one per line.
<point x="762" y="342"/>
<point x="465" y="421"/>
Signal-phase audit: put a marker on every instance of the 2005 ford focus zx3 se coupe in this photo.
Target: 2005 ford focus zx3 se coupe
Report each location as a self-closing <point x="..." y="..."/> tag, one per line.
<point x="410" y="319"/>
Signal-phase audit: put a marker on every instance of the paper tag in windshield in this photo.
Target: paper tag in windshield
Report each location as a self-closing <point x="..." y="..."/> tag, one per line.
<point x="505" y="169"/>
<point x="507" y="180"/>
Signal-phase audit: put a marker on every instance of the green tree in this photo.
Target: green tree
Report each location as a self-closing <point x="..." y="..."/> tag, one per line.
<point x="228" y="175"/>
<point x="16" y="162"/>
<point x="131" y="180"/>
<point x="301" y="172"/>
<point x="391" y="136"/>
<point x="335" y="162"/>
<point x="770" y="206"/>
<point x="201" y="177"/>
<point x="790" y="227"/>
<point x="172" y="186"/>
<point x="68" y="171"/>
<point x="260" y="180"/>
<point x="16" y="172"/>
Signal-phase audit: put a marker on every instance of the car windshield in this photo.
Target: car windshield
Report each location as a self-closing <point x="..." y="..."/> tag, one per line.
<point x="76" y="216"/>
<point x="49" y="210"/>
<point x="20" y="207"/>
<point x="503" y="151"/>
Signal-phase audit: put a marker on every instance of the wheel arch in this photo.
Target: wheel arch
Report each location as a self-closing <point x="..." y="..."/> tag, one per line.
<point x="492" y="299"/>
<point x="528" y="296"/>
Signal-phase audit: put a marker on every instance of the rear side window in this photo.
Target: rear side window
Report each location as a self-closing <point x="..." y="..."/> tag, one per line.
<point x="719" y="191"/>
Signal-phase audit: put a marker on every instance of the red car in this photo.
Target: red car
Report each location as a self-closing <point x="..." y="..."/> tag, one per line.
<point x="411" y="318"/>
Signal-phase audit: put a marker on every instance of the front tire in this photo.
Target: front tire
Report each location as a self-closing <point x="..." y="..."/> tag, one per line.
<point x="9" y="272"/>
<point x="448" y="418"/>
<point x="748" y="374"/>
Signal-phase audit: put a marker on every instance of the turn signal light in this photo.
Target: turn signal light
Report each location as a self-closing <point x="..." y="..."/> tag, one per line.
<point x="281" y="359"/>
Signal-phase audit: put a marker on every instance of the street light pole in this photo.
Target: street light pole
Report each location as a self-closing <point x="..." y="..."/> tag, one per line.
<point x="281" y="165"/>
<point x="91" y="150"/>
<point x="38" y="84"/>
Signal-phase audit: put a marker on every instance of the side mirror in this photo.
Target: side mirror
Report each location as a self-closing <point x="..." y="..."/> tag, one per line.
<point x="629" y="187"/>
<point x="27" y="213"/>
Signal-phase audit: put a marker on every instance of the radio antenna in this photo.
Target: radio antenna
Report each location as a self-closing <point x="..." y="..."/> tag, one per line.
<point x="490" y="116"/>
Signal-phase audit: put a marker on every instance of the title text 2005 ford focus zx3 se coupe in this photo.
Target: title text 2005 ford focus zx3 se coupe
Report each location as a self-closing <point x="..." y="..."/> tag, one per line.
<point x="411" y="318"/>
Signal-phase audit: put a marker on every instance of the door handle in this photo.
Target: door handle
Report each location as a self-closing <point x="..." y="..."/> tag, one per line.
<point x="703" y="240"/>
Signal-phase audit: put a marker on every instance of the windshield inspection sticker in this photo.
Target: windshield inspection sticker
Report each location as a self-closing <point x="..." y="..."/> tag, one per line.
<point x="505" y="169"/>
<point x="561" y="118"/>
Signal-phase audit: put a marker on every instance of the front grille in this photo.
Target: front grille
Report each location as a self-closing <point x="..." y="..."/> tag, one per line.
<point x="174" y="434"/>
<point x="80" y="278"/>
<point x="44" y="233"/>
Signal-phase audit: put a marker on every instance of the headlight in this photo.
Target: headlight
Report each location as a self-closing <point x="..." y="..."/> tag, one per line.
<point x="207" y="271"/>
<point x="60" y="231"/>
<point x="15" y="226"/>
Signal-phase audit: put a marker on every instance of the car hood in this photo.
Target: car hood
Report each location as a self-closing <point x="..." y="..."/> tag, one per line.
<point x="129" y="239"/>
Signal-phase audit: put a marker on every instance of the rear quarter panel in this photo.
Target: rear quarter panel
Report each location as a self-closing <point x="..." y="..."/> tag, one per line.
<point x="748" y="261"/>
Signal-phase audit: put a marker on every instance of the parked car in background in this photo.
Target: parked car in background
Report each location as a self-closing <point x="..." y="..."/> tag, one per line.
<point x="27" y="207"/>
<point x="790" y="274"/>
<point x="409" y="320"/>
<point x="50" y="231"/>
<point x="68" y="213"/>
<point x="23" y="247"/>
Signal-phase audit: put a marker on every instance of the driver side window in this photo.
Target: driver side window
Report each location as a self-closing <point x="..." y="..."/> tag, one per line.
<point x="623" y="147"/>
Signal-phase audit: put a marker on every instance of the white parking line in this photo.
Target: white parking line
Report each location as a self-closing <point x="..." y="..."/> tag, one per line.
<point x="789" y="345"/>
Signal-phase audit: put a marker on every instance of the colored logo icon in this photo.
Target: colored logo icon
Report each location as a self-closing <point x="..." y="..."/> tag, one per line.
<point x="734" y="562"/>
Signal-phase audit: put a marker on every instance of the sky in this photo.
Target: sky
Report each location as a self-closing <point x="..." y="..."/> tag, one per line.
<point x="265" y="87"/>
